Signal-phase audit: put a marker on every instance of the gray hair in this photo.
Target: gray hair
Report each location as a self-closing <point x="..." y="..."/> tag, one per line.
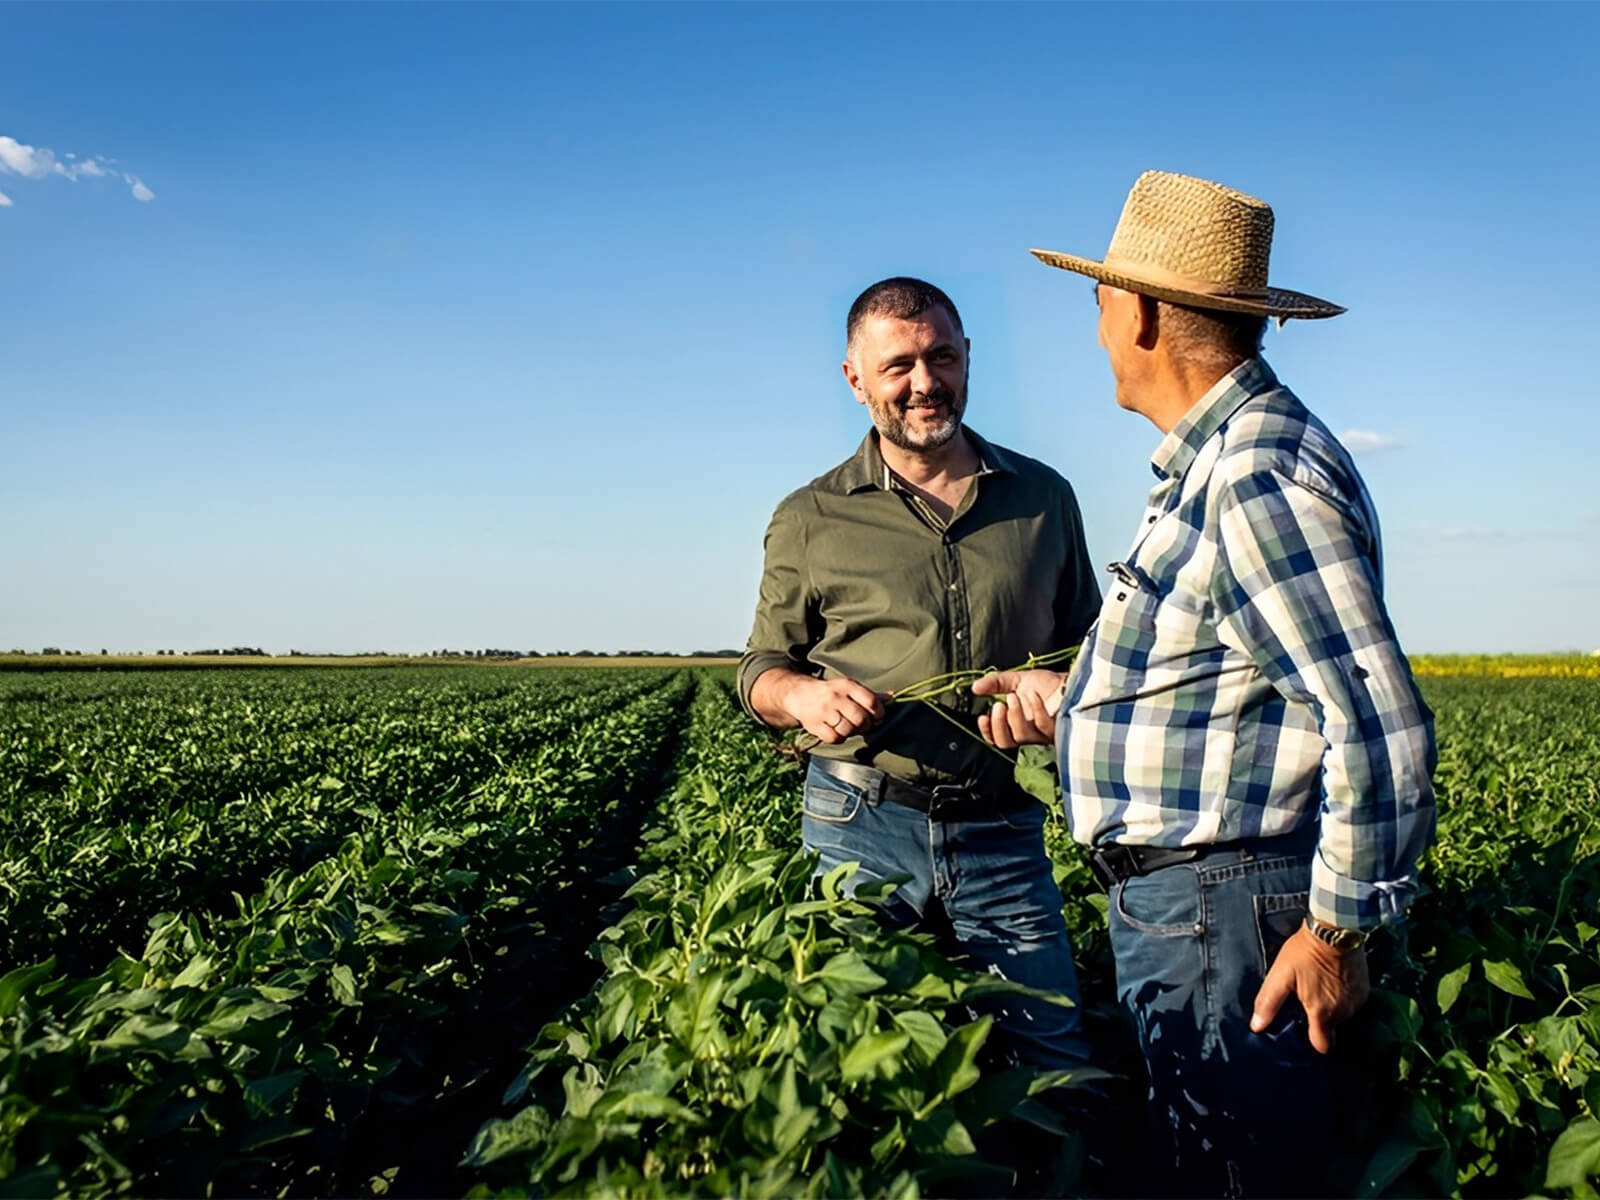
<point x="1208" y="336"/>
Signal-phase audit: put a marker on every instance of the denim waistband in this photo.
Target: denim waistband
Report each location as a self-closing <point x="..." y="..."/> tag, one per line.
<point x="1117" y="862"/>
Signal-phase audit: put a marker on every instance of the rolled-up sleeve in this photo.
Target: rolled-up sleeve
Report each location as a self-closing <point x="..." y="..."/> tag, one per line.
<point x="1297" y="584"/>
<point x="782" y="634"/>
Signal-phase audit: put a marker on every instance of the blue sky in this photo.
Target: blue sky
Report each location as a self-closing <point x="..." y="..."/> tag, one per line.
<point x="413" y="326"/>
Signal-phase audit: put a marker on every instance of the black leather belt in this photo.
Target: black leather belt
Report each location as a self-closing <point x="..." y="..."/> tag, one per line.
<point x="944" y="801"/>
<point x="1117" y="863"/>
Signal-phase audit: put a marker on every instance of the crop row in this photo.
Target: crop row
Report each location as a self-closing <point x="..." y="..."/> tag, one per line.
<point x="756" y="1035"/>
<point x="419" y="855"/>
<point x="1487" y="1024"/>
<point x="160" y="796"/>
<point x="716" y="1057"/>
<point x="275" y="1043"/>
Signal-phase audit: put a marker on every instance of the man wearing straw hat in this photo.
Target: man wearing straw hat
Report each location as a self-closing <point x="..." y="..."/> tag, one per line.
<point x="1242" y="745"/>
<point x="921" y="555"/>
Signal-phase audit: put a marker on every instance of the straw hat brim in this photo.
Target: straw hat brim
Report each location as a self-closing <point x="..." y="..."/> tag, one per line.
<point x="1273" y="302"/>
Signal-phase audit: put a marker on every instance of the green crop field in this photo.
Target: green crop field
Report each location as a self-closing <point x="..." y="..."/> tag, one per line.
<point x="431" y="930"/>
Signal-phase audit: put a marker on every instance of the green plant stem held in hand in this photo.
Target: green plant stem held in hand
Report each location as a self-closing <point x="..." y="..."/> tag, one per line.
<point x="929" y="691"/>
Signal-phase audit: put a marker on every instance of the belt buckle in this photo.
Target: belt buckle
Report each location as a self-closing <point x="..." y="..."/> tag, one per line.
<point x="951" y="793"/>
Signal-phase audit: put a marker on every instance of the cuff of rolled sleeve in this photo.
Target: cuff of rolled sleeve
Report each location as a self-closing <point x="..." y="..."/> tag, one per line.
<point x="1357" y="903"/>
<point x="752" y="666"/>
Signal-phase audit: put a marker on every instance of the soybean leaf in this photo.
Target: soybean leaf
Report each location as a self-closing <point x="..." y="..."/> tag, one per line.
<point x="849" y="974"/>
<point x="146" y="1033"/>
<point x="924" y="1029"/>
<point x="955" y="1070"/>
<point x="1035" y="773"/>
<point x="1507" y="978"/>
<point x="195" y="974"/>
<point x="343" y="982"/>
<point x="942" y="1133"/>
<point x="1450" y="986"/>
<point x="19" y="982"/>
<point x="529" y="1130"/>
<point x="262" y="1096"/>
<point x="875" y="1048"/>
<point x="1576" y="1155"/>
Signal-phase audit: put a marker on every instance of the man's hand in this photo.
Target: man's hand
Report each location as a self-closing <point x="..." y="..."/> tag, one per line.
<point x="1025" y="712"/>
<point x="830" y="710"/>
<point x="1331" y="984"/>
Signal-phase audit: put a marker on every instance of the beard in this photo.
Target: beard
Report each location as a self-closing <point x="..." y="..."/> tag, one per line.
<point x="893" y="420"/>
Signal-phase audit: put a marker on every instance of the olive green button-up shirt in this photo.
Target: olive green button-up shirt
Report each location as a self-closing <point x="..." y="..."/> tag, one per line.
<point x="862" y="579"/>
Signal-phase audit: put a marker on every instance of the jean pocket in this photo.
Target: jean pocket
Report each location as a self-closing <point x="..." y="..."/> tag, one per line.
<point x="1277" y="918"/>
<point x="831" y="800"/>
<point x="1165" y="903"/>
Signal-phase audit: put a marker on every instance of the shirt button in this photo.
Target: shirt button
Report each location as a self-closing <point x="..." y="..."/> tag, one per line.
<point x="1122" y="595"/>
<point x="1150" y="521"/>
<point x="955" y="745"/>
<point x="958" y="635"/>
<point x="955" y="587"/>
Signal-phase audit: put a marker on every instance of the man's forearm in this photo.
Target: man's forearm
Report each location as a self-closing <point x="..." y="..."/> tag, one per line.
<point x="769" y="695"/>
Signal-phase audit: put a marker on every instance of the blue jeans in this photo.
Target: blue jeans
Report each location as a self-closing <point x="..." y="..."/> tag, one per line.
<point x="1233" y="1112"/>
<point x="985" y="883"/>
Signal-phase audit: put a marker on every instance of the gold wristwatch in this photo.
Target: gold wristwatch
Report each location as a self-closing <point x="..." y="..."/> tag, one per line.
<point x="1341" y="939"/>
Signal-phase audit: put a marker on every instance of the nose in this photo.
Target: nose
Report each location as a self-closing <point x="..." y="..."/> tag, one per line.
<point x="922" y="378"/>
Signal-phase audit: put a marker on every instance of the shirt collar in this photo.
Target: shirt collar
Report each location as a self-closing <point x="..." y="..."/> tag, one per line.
<point x="866" y="469"/>
<point x="1208" y="414"/>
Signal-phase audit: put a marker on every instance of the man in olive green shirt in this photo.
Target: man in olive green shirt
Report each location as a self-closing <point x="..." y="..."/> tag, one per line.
<point x="922" y="554"/>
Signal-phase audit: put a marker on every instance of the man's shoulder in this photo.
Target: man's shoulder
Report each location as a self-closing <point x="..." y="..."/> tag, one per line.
<point x="1275" y="433"/>
<point x="1030" y="471"/>
<point x="841" y="480"/>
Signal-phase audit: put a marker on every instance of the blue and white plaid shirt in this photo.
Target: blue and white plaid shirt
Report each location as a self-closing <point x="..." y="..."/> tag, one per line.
<point x="1243" y="679"/>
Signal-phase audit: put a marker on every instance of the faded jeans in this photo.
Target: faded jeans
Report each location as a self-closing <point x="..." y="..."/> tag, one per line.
<point x="986" y="883"/>
<point x="1233" y="1112"/>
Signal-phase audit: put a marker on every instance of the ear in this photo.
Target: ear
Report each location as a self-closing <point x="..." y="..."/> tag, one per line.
<point x="853" y="378"/>
<point x="1147" y="324"/>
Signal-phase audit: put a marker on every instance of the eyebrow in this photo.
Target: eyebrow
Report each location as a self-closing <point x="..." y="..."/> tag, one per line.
<point x="910" y="355"/>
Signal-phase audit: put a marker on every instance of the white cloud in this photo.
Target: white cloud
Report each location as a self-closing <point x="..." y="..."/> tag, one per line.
<point x="1469" y="533"/>
<point x="37" y="162"/>
<point x="20" y="159"/>
<point x="1365" y="441"/>
<point x="5" y="200"/>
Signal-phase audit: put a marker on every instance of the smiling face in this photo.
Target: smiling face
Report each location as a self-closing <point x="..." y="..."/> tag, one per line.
<point x="912" y="377"/>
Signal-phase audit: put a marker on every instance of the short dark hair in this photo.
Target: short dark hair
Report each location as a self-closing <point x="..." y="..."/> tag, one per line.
<point x="902" y="298"/>
<point x="1210" y="333"/>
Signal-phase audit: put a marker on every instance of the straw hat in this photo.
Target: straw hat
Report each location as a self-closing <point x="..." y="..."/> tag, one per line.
<point x="1194" y="242"/>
